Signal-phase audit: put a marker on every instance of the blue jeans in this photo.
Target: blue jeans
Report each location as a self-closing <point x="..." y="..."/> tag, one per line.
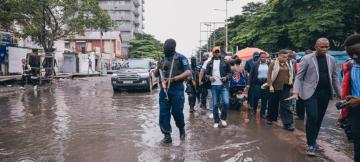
<point x="173" y="106"/>
<point x="218" y="91"/>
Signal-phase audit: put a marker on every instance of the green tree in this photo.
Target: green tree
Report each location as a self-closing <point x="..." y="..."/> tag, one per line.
<point x="252" y="8"/>
<point x="296" y="24"/>
<point x="46" y="21"/>
<point x="145" y="46"/>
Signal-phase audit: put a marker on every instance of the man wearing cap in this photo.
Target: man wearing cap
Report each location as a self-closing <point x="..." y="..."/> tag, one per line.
<point x="219" y="72"/>
<point x="250" y="63"/>
<point x="173" y="71"/>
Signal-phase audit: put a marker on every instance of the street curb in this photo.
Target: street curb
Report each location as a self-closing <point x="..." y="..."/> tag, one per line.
<point x="329" y="151"/>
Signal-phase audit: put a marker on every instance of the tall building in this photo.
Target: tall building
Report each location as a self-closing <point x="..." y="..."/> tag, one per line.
<point x="127" y="16"/>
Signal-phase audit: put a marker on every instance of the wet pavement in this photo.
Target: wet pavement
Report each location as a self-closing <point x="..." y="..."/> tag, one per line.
<point x="83" y="120"/>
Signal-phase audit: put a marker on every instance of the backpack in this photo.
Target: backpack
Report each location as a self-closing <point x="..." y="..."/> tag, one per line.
<point x="237" y="81"/>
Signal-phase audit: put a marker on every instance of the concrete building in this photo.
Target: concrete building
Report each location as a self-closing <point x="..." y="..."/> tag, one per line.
<point x="91" y="42"/>
<point x="127" y="16"/>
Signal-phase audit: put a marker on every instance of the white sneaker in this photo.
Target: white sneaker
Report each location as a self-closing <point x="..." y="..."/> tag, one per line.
<point x="216" y="125"/>
<point x="223" y="123"/>
<point x="35" y="87"/>
<point x="211" y="116"/>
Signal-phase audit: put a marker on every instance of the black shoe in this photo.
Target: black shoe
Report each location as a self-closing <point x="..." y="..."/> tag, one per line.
<point x="300" y="118"/>
<point x="318" y="147"/>
<point x="289" y="128"/>
<point x="252" y="112"/>
<point x="166" y="140"/>
<point x="192" y="110"/>
<point x="269" y="122"/>
<point x="182" y="134"/>
<point x="311" y="151"/>
<point x="203" y="107"/>
<point x="263" y="116"/>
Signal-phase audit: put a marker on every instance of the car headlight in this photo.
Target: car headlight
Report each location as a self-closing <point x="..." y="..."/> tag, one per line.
<point x="144" y="75"/>
<point x="114" y="75"/>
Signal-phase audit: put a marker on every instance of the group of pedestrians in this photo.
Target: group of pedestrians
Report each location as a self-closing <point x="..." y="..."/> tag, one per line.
<point x="277" y="82"/>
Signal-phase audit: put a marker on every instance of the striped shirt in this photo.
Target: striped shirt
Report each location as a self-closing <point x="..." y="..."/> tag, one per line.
<point x="355" y="80"/>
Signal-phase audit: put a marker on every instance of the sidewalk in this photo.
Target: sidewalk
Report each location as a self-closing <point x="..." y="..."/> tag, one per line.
<point x="10" y="84"/>
<point x="331" y="138"/>
<point x="10" y="78"/>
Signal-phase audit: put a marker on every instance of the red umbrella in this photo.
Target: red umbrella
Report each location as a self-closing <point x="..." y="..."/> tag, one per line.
<point x="247" y="53"/>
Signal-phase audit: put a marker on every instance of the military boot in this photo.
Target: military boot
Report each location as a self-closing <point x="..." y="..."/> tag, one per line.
<point x="167" y="139"/>
<point x="182" y="134"/>
<point x="192" y="109"/>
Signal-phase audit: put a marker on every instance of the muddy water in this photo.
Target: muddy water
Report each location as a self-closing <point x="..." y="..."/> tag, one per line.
<point x="83" y="120"/>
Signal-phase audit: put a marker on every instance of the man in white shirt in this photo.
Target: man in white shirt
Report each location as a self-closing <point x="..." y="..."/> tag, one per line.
<point x="218" y="72"/>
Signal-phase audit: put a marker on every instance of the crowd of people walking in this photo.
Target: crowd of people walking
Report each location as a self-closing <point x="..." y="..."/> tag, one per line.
<point x="284" y="85"/>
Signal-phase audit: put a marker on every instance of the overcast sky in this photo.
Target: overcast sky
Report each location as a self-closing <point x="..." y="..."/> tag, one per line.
<point x="180" y="19"/>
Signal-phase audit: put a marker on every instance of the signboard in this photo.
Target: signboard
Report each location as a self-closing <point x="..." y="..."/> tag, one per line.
<point x="3" y="54"/>
<point x="15" y="56"/>
<point x="5" y="39"/>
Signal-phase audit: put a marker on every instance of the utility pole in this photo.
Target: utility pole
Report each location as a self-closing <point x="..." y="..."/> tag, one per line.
<point x="226" y="27"/>
<point x="214" y="35"/>
<point x="200" y="48"/>
<point x="101" y="65"/>
<point x="210" y="40"/>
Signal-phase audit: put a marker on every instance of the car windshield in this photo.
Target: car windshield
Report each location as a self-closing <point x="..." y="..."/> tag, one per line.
<point x="136" y="64"/>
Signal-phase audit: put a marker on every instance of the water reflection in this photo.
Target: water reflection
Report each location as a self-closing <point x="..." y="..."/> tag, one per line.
<point x="83" y="120"/>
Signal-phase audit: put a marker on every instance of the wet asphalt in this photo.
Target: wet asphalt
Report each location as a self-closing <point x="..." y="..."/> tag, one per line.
<point x="83" y="120"/>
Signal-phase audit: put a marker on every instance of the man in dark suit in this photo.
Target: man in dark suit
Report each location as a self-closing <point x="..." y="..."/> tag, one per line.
<point x="314" y="83"/>
<point x="258" y="76"/>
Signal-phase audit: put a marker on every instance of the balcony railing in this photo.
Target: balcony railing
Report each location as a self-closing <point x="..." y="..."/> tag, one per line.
<point x="136" y="3"/>
<point x="127" y="17"/>
<point x="136" y="13"/>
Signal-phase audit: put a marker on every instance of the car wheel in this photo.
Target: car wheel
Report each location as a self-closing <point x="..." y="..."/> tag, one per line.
<point x="116" y="90"/>
<point x="149" y="88"/>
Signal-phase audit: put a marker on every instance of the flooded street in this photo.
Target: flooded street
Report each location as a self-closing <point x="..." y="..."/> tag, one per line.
<point x="83" y="120"/>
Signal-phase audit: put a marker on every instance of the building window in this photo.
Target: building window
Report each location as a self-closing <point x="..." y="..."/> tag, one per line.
<point x="82" y="45"/>
<point x="67" y="45"/>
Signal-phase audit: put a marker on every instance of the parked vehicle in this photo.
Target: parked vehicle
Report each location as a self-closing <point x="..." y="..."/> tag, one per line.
<point x="135" y="74"/>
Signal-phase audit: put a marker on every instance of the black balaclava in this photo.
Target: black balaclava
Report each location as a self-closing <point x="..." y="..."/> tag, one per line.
<point x="169" y="47"/>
